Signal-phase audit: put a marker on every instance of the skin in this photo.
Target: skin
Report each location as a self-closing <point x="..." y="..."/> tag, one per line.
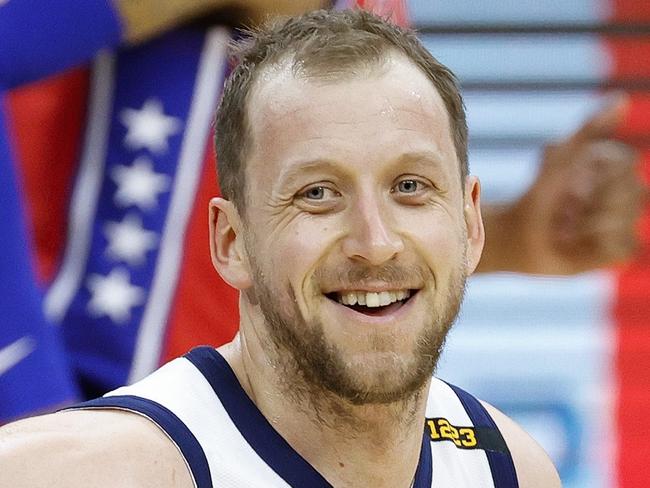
<point x="93" y="449"/>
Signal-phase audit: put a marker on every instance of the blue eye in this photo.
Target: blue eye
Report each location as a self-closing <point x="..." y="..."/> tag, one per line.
<point x="315" y="193"/>
<point x="407" y="186"/>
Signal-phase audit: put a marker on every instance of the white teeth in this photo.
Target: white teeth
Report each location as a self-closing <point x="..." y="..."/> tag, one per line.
<point x="373" y="299"/>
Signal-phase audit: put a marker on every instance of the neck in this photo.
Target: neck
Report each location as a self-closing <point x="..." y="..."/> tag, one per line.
<point x="350" y="445"/>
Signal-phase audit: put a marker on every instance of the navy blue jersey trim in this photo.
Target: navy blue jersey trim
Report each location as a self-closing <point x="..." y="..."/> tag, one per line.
<point x="167" y="421"/>
<point x="424" y="471"/>
<point x="501" y="463"/>
<point x="250" y="422"/>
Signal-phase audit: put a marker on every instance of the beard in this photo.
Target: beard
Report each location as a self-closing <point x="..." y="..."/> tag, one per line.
<point x="304" y="352"/>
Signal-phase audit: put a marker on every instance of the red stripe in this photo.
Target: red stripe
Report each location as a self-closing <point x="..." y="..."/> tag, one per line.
<point x="637" y="121"/>
<point x="629" y="61"/>
<point x="632" y="314"/>
<point x="396" y="10"/>
<point x="205" y="310"/>
<point x="47" y="120"/>
<point x="632" y="307"/>
<point x="630" y="11"/>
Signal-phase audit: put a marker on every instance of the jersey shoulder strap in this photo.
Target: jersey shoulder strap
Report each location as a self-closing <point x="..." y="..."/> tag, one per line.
<point x="150" y="399"/>
<point x="464" y="433"/>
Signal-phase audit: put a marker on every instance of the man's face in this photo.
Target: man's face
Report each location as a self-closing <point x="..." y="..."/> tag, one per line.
<point x="354" y="229"/>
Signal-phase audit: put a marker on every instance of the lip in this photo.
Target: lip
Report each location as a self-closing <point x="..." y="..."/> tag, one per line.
<point x="390" y="318"/>
<point x="371" y="287"/>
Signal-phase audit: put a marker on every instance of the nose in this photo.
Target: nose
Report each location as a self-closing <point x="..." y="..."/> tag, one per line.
<point x="370" y="237"/>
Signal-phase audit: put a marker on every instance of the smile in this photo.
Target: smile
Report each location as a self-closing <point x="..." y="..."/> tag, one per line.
<point x="373" y="299"/>
<point x="372" y="302"/>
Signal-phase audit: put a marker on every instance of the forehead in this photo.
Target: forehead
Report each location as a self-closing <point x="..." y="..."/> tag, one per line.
<point x="375" y="115"/>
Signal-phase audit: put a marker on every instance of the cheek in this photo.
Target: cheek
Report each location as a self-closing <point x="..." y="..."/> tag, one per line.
<point x="299" y="250"/>
<point x="439" y="239"/>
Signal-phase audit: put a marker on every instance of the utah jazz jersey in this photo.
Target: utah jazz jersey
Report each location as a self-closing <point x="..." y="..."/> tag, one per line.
<point x="227" y="442"/>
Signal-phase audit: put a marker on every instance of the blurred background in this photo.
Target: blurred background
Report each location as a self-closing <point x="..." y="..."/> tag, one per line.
<point x="108" y="169"/>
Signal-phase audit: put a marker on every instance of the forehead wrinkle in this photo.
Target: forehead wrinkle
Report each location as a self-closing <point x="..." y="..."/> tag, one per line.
<point x="419" y="112"/>
<point x="274" y="118"/>
<point x="422" y="156"/>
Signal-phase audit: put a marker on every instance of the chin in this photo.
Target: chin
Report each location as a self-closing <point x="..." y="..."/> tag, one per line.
<point x="379" y="378"/>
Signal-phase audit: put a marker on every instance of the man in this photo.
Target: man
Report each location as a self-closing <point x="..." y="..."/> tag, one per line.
<point x="349" y="224"/>
<point x="146" y="247"/>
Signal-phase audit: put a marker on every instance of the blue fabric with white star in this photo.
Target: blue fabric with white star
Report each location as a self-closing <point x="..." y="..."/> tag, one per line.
<point x="153" y="91"/>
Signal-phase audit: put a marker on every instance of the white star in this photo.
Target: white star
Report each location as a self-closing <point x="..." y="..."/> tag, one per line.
<point x="128" y="241"/>
<point x="113" y="295"/>
<point x="149" y="127"/>
<point x="138" y="184"/>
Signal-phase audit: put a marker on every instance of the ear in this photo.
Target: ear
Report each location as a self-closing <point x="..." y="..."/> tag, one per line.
<point x="227" y="248"/>
<point x="473" y="222"/>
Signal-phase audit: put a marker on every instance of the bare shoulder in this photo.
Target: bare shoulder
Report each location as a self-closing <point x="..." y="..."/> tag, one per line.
<point x="534" y="467"/>
<point x="90" y="448"/>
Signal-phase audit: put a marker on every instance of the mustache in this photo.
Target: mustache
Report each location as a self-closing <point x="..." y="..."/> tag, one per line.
<point x="405" y="275"/>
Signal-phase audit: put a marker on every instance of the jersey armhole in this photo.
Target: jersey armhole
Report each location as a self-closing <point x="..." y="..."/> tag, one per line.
<point x="177" y="432"/>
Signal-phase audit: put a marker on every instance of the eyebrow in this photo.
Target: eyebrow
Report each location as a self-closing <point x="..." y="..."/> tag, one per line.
<point x="301" y="167"/>
<point x="425" y="159"/>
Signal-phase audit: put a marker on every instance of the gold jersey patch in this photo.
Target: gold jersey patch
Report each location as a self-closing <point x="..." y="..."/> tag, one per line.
<point x="440" y="429"/>
<point x="485" y="438"/>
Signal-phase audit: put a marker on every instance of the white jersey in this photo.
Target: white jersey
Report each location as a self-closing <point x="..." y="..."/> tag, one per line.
<point x="227" y="442"/>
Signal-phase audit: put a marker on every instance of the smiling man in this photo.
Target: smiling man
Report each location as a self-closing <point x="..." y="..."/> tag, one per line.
<point x="349" y="224"/>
